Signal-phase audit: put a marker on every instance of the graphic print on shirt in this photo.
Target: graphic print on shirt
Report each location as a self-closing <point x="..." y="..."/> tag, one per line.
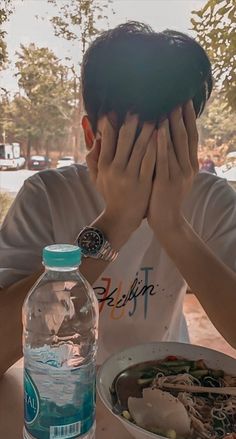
<point x="122" y="302"/>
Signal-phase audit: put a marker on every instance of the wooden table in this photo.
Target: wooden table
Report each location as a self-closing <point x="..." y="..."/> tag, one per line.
<point x="11" y="410"/>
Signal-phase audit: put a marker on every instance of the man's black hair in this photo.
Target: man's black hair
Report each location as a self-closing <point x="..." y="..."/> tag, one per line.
<point x="132" y="68"/>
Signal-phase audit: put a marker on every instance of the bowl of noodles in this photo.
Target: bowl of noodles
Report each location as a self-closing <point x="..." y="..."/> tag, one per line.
<point x="148" y="388"/>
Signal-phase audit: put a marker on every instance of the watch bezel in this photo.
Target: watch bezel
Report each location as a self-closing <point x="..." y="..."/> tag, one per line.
<point x="95" y="231"/>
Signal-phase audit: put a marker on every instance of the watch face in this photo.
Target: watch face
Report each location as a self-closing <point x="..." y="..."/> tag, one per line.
<point x="91" y="241"/>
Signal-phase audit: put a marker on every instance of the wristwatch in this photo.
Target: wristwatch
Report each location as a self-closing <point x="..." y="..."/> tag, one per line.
<point x="94" y="244"/>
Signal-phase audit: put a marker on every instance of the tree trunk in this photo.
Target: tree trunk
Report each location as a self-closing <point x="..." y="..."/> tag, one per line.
<point x="28" y="150"/>
<point x="76" y="135"/>
<point x="23" y="145"/>
<point x="47" y="147"/>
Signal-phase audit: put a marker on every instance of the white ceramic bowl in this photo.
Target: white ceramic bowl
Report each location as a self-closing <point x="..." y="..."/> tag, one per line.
<point x="154" y="351"/>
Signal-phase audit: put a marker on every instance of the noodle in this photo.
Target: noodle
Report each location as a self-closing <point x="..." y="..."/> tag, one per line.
<point x="211" y="417"/>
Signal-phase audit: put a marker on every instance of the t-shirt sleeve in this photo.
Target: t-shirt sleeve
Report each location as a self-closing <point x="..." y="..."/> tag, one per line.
<point x="219" y="230"/>
<point x="26" y="229"/>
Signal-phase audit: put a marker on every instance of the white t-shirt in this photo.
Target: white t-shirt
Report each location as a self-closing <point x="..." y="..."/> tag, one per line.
<point x="141" y="293"/>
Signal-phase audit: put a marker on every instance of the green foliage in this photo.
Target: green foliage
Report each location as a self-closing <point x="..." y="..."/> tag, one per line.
<point x="5" y="11"/>
<point x="218" y="122"/>
<point x="216" y="32"/>
<point x="77" y="19"/>
<point x="41" y="114"/>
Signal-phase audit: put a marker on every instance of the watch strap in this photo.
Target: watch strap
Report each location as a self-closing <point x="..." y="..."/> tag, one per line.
<point x="107" y="253"/>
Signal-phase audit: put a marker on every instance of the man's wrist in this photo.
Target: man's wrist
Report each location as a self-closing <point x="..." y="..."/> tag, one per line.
<point x="174" y="225"/>
<point x="115" y="231"/>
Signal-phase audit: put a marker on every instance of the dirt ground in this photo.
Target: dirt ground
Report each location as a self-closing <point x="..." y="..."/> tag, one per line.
<point x="201" y="330"/>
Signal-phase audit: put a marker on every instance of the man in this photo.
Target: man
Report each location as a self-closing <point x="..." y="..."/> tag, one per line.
<point x="157" y="224"/>
<point x="208" y="165"/>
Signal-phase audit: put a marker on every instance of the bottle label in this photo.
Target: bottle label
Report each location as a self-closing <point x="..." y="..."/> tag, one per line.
<point x="59" y="403"/>
<point x="31" y="399"/>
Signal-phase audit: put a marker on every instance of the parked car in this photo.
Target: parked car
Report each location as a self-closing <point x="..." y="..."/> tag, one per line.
<point x="230" y="159"/>
<point x="65" y="161"/>
<point x="39" y="162"/>
<point x="10" y="157"/>
<point x="228" y="169"/>
<point x="22" y="162"/>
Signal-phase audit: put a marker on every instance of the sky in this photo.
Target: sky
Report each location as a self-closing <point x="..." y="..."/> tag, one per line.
<point x="24" y="26"/>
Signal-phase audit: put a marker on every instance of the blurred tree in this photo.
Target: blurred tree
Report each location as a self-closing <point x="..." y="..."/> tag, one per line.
<point x="41" y="114"/>
<point x="218" y="122"/>
<point x="216" y="31"/>
<point x="6" y="7"/>
<point x="78" y="20"/>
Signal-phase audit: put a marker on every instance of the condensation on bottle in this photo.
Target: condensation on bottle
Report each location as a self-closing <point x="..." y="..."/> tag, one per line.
<point x="60" y="333"/>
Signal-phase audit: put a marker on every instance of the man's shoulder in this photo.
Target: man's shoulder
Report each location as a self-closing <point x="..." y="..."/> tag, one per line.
<point x="53" y="182"/>
<point x="206" y="178"/>
<point x="207" y="184"/>
<point x="209" y="193"/>
<point x="59" y="187"/>
<point x="73" y="174"/>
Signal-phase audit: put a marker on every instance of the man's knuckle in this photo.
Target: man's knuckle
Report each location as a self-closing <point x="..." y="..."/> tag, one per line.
<point x="115" y="167"/>
<point x="125" y="183"/>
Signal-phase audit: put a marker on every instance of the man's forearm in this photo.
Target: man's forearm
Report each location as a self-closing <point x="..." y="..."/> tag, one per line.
<point x="12" y="298"/>
<point x="210" y="279"/>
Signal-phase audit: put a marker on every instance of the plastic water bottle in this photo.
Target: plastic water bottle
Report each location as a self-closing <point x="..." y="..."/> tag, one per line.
<point x="60" y="331"/>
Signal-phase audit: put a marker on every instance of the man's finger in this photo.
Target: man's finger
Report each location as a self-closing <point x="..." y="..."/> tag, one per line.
<point x="189" y="117"/>
<point x="162" y="165"/>
<point x="140" y="148"/>
<point x="149" y="160"/>
<point x="180" y="140"/>
<point x="108" y="143"/>
<point x="126" y="140"/>
<point x="173" y="165"/>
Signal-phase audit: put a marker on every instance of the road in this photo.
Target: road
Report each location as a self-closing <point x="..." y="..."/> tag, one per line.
<point x="11" y="181"/>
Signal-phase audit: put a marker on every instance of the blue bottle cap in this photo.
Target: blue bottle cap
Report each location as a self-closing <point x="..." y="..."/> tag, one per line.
<point x="62" y="255"/>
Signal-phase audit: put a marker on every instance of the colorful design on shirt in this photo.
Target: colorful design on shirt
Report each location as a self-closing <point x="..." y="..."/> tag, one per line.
<point x="123" y="302"/>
